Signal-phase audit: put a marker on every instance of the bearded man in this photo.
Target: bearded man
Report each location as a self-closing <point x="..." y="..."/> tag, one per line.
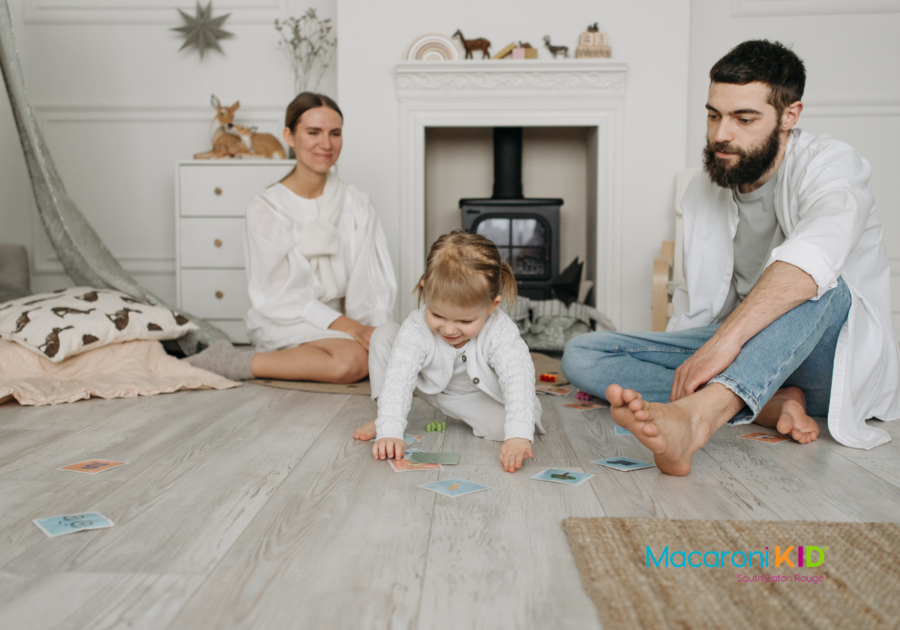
<point x="786" y="310"/>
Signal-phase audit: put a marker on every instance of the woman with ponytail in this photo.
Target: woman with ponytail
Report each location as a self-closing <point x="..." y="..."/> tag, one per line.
<point x="320" y="277"/>
<point x="459" y="353"/>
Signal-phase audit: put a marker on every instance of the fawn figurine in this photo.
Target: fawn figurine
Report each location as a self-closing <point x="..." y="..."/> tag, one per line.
<point x="262" y="144"/>
<point x="224" y="144"/>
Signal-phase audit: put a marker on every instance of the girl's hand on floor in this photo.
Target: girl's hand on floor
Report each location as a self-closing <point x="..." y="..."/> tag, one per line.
<point x="388" y="448"/>
<point x="513" y="452"/>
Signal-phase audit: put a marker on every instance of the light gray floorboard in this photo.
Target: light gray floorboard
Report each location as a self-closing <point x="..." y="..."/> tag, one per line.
<point x="499" y="558"/>
<point x="182" y="513"/>
<point x="254" y="508"/>
<point x="344" y="538"/>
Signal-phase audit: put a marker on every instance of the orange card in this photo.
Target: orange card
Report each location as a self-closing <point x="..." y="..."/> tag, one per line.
<point x="768" y="438"/>
<point x="404" y="465"/>
<point x="93" y="466"/>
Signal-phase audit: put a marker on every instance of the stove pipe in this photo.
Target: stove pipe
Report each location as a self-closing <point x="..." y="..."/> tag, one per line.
<point x="507" y="163"/>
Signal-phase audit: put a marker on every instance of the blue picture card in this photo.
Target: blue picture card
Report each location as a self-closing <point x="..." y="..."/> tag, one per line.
<point x="623" y="431"/>
<point x="454" y="487"/>
<point x="411" y="439"/>
<point x="68" y="523"/>
<point x="623" y="463"/>
<point x="562" y="476"/>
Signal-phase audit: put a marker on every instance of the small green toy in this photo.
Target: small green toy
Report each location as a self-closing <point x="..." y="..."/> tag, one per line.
<point x="435" y="426"/>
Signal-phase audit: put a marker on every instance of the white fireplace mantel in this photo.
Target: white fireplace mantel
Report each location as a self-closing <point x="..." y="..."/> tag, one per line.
<point x="519" y="93"/>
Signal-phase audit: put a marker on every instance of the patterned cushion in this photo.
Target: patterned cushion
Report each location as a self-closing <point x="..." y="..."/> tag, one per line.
<point x="68" y="322"/>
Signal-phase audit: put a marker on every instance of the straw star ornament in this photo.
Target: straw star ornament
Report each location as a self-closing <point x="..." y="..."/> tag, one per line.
<point x="203" y="31"/>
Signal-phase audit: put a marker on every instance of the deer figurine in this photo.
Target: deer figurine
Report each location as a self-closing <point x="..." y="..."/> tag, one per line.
<point x="472" y="45"/>
<point x="262" y="144"/>
<point x="225" y="145"/>
<point x="556" y="50"/>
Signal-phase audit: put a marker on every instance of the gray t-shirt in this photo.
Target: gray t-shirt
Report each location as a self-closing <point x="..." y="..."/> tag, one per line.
<point x="758" y="233"/>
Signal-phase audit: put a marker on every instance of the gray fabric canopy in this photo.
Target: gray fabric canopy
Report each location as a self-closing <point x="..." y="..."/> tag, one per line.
<point x="83" y="255"/>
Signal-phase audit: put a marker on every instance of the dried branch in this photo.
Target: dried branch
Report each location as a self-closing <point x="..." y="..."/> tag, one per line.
<point x="309" y="46"/>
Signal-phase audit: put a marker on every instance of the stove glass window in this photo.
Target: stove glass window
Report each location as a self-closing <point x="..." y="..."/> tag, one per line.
<point x="523" y="243"/>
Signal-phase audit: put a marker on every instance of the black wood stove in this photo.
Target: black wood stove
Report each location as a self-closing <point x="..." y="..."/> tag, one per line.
<point x="526" y="231"/>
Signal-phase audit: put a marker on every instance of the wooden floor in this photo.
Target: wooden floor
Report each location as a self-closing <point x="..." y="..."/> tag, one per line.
<point x="254" y="508"/>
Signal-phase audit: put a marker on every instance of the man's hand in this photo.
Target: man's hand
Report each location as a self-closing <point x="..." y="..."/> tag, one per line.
<point x="388" y="448"/>
<point x="709" y="361"/>
<point x="781" y="288"/>
<point x="360" y="333"/>
<point x="513" y="452"/>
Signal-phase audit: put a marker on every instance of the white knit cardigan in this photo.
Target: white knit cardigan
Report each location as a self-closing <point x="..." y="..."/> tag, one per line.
<point x="498" y="362"/>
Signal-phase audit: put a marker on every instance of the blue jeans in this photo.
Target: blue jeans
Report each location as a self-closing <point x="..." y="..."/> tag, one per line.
<point x="797" y="349"/>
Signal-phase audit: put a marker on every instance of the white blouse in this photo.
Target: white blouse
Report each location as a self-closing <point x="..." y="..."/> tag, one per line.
<point x="284" y="289"/>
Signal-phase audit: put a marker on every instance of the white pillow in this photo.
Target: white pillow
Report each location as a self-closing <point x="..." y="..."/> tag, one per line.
<point x="70" y="321"/>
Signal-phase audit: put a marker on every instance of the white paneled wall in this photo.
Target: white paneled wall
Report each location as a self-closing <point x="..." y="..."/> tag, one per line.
<point x="119" y="105"/>
<point x="852" y="86"/>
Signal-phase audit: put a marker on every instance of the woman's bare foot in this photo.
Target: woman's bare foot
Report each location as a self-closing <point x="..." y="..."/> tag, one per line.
<point x="786" y="412"/>
<point x="673" y="431"/>
<point x="366" y="432"/>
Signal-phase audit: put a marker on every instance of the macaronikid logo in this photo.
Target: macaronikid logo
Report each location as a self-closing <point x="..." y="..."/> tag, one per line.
<point x="801" y="556"/>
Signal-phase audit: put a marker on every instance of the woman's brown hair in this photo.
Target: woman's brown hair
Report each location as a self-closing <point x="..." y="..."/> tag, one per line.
<point x="466" y="269"/>
<point x="303" y="103"/>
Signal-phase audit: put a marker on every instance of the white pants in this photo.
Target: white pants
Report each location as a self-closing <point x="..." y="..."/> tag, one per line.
<point x="481" y="412"/>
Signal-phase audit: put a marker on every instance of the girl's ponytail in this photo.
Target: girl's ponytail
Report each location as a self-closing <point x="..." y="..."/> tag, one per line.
<point x="508" y="287"/>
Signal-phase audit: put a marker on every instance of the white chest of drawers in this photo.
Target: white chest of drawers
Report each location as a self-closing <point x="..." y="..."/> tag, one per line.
<point x="211" y="198"/>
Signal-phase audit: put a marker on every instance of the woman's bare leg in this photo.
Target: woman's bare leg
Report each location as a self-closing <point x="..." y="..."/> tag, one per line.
<point x="324" y="361"/>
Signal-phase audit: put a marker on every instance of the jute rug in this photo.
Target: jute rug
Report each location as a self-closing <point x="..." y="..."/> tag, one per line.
<point x="855" y="586"/>
<point x="542" y="365"/>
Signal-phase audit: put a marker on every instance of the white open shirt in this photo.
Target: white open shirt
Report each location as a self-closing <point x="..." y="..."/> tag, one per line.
<point x="825" y="207"/>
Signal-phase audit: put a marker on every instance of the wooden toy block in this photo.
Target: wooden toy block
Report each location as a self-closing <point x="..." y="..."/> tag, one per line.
<point x="548" y="378"/>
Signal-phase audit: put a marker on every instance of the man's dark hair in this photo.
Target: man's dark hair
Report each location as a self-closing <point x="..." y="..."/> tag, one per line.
<point x="768" y="62"/>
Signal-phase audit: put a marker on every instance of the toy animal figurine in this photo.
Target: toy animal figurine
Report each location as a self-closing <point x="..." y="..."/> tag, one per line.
<point x="262" y="144"/>
<point x="556" y="50"/>
<point x="593" y="28"/>
<point x="120" y="318"/>
<point x="225" y="145"/>
<point x="525" y="45"/>
<point x="62" y="311"/>
<point x="472" y="45"/>
<point x="51" y="345"/>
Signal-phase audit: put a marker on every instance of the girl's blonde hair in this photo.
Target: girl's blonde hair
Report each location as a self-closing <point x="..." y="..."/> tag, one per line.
<point x="466" y="269"/>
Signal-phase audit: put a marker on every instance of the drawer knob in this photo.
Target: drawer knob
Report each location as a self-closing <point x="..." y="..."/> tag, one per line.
<point x="218" y="242"/>
<point x="219" y="295"/>
<point x="218" y="190"/>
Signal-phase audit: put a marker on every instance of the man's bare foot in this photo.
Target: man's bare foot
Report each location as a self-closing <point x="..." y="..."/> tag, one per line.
<point x="786" y="412"/>
<point x="366" y="432"/>
<point x="664" y="429"/>
<point x="674" y="431"/>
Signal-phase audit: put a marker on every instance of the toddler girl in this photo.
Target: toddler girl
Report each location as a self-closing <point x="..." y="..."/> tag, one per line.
<point x="459" y="352"/>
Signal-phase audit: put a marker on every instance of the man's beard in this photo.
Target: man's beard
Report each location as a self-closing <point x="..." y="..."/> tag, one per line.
<point x="750" y="165"/>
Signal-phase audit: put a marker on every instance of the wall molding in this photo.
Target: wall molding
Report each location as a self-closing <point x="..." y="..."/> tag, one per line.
<point x="850" y="108"/>
<point x="765" y="8"/>
<point x="143" y="12"/>
<point x="44" y="259"/>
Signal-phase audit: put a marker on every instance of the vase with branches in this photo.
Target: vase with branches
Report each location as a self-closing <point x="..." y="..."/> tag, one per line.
<point x="309" y="45"/>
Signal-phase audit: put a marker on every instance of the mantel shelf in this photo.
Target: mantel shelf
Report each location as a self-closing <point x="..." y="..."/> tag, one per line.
<point x="549" y="78"/>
